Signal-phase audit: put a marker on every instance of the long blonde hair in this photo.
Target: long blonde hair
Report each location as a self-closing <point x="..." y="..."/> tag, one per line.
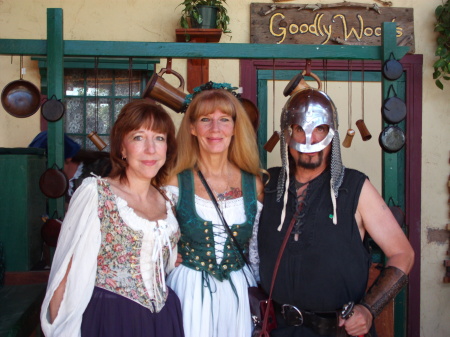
<point x="243" y="150"/>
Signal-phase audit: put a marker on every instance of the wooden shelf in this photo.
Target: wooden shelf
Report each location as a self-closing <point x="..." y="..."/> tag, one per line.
<point x="198" y="35"/>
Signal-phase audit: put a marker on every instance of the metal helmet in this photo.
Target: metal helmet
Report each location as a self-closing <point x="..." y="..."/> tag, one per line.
<point x="309" y="108"/>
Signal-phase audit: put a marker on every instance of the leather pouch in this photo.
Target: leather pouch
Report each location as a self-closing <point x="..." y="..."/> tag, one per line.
<point x="258" y="306"/>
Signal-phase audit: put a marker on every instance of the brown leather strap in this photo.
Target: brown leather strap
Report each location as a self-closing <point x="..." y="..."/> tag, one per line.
<point x="275" y="271"/>
<point x="164" y="194"/>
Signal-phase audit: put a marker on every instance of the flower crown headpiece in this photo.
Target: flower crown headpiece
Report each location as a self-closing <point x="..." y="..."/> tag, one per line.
<point x="208" y="86"/>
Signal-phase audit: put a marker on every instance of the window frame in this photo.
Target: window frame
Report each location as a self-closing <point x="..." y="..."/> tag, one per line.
<point x="147" y="67"/>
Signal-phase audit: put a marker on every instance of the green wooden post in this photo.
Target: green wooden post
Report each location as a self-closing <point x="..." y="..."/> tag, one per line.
<point x="393" y="168"/>
<point x="55" y="78"/>
<point x="263" y="113"/>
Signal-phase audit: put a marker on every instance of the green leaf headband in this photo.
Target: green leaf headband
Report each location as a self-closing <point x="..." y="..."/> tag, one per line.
<point x="207" y="86"/>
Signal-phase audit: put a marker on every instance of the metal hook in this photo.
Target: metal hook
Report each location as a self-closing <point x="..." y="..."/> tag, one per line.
<point x="169" y="65"/>
<point x="308" y="68"/>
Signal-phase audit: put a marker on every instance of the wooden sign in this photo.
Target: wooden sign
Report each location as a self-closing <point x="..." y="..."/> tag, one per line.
<point x="346" y="23"/>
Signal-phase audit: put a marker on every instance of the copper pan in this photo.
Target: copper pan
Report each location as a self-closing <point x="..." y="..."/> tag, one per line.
<point x="21" y="98"/>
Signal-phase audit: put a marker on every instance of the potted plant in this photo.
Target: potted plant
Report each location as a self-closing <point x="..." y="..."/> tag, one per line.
<point x="205" y="14"/>
<point x="442" y="26"/>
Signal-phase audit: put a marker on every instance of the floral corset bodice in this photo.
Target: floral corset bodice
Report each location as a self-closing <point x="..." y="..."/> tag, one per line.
<point x="119" y="261"/>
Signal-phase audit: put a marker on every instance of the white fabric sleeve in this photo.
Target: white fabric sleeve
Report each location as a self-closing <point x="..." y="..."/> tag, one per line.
<point x="253" y="246"/>
<point x="79" y="240"/>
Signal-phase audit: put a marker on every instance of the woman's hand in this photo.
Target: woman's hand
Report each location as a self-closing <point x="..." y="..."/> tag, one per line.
<point x="179" y="260"/>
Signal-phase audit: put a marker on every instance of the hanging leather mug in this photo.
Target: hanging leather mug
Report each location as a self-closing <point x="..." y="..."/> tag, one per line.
<point x="52" y="109"/>
<point x="161" y="91"/>
<point x="365" y="134"/>
<point x="53" y="182"/>
<point x="392" y="69"/>
<point x="98" y="142"/>
<point x="393" y="109"/>
<point x="392" y="139"/>
<point x="348" y="138"/>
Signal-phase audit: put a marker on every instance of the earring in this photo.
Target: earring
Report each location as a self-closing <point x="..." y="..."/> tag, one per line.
<point x="124" y="158"/>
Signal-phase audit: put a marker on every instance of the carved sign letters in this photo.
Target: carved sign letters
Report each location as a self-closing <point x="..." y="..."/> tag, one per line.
<point x="343" y="23"/>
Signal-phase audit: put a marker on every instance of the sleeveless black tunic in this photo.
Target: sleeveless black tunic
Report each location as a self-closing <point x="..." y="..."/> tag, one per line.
<point x="329" y="264"/>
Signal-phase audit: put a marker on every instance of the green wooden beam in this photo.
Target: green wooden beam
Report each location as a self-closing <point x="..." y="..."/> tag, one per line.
<point x="55" y="77"/>
<point x="103" y="62"/>
<point x="23" y="47"/>
<point x="330" y="75"/>
<point x="199" y="50"/>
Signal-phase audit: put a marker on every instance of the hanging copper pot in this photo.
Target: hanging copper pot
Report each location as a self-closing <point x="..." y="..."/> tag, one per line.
<point x="21" y="98"/>
<point x="392" y="139"/>
<point x="392" y="69"/>
<point x="393" y="109"/>
<point x="50" y="231"/>
<point x="53" y="182"/>
<point x="52" y="109"/>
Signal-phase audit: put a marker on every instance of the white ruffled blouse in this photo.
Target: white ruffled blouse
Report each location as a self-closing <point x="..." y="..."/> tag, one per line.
<point x="80" y="240"/>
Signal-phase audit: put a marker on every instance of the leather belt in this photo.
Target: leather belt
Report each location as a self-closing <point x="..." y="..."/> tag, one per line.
<point x="322" y="323"/>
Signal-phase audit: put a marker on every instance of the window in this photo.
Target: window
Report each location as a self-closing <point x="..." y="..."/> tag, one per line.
<point x="94" y="93"/>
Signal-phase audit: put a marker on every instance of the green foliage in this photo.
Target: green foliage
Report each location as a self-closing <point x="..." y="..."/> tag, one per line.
<point x="190" y="12"/>
<point x="442" y="26"/>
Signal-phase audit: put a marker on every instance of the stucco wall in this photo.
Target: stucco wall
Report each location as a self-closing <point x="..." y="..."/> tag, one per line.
<point x="151" y="20"/>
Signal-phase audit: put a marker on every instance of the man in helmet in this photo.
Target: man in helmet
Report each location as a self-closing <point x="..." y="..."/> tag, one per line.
<point x="332" y="210"/>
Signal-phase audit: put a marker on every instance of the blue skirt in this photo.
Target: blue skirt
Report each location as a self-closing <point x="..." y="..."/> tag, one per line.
<point x="109" y="314"/>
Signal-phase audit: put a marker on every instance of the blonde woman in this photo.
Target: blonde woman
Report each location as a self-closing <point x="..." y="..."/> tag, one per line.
<point x="216" y="139"/>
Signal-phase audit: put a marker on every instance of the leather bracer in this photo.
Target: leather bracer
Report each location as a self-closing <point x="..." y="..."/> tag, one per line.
<point x="387" y="285"/>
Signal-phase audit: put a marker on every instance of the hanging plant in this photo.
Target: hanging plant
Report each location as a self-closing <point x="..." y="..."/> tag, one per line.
<point x="442" y="66"/>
